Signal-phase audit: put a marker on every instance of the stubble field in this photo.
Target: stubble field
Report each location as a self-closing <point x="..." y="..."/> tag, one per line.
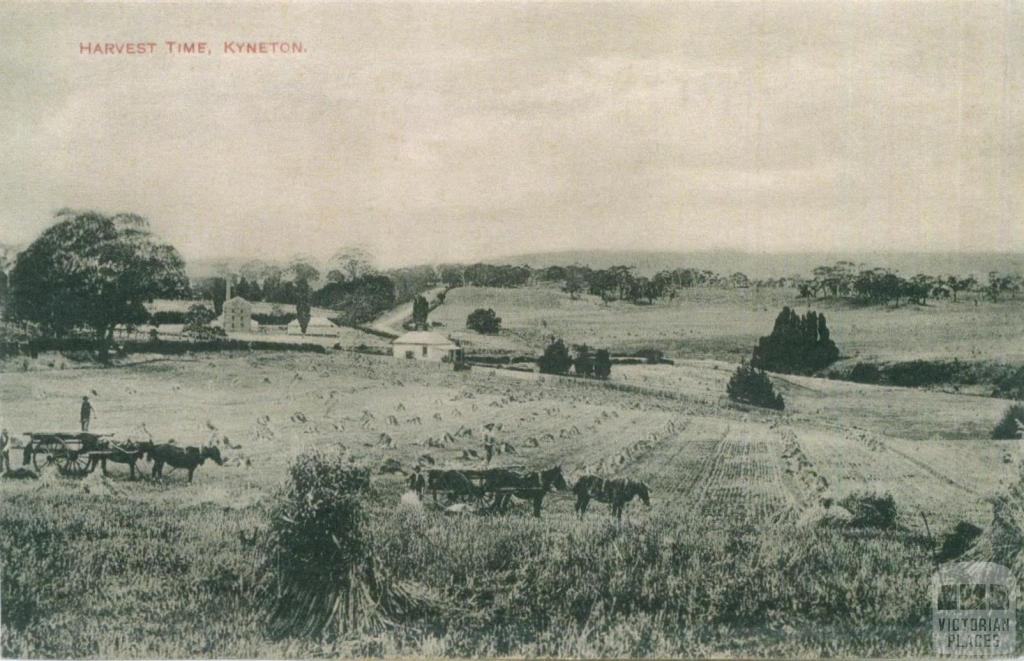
<point x="728" y="558"/>
<point x="725" y="323"/>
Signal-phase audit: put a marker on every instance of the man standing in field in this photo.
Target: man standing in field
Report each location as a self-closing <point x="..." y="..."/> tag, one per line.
<point x="87" y="413"/>
<point x="489" y="441"/>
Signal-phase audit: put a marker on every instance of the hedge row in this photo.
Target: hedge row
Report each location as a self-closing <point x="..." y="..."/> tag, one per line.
<point x="40" y="345"/>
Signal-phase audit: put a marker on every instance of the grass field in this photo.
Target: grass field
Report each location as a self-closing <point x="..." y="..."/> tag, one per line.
<point x="727" y="560"/>
<point x="725" y="323"/>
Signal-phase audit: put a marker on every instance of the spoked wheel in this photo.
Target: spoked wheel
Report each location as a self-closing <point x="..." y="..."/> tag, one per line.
<point x="44" y="452"/>
<point x="72" y="462"/>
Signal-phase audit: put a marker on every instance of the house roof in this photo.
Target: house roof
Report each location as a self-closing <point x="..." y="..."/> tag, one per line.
<point x="236" y="299"/>
<point x="315" y="321"/>
<point x="423" y="337"/>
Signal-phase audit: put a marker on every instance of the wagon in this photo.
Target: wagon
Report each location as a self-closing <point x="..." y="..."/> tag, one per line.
<point x="466" y="485"/>
<point x="73" y="453"/>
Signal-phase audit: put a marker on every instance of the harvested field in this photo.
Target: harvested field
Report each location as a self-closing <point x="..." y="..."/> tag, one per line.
<point x="722" y="478"/>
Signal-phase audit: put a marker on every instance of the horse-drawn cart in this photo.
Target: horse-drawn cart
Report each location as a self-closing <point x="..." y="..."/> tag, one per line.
<point x="490" y="488"/>
<point x="75" y="454"/>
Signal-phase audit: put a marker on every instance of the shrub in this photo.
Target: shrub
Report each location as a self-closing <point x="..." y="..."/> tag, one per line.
<point x="871" y="510"/>
<point x="197" y="324"/>
<point x="274" y="319"/>
<point x="652" y="356"/>
<point x="556" y="359"/>
<point x="1011" y="425"/>
<point x="752" y="386"/>
<point x="958" y="541"/>
<point x="916" y="373"/>
<point x="590" y="363"/>
<point x="1010" y="384"/>
<point x="483" y="321"/>
<point x="167" y="317"/>
<point x="797" y="345"/>
<point x="865" y="373"/>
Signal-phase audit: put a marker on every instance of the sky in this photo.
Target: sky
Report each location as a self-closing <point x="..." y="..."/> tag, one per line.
<point x="448" y="132"/>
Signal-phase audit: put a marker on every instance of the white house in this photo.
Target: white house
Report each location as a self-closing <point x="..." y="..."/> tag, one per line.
<point x="424" y="345"/>
<point x="237" y="316"/>
<point x="320" y="326"/>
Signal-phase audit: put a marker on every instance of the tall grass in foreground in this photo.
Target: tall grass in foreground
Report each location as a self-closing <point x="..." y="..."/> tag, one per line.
<point x="661" y="585"/>
<point x="105" y="577"/>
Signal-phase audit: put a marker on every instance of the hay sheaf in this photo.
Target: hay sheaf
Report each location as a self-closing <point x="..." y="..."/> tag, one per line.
<point x="1003" y="542"/>
<point x="327" y="582"/>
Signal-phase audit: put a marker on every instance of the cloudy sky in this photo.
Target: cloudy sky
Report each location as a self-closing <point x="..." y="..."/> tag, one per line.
<point x="452" y="131"/>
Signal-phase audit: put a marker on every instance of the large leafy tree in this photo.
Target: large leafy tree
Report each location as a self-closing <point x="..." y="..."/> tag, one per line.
<point x="94" y="271"/>
<point x="484" y="321"/>
<point x="556" y="359"/>
<point x="354" y="262"/>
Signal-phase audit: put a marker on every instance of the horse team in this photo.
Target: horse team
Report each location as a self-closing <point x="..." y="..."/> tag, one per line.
<point x="497" y="486"/>
<point x="161" y="454"/>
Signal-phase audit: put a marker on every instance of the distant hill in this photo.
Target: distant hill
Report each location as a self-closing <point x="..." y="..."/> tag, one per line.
<point x="768" y="265"/>
<point x="755" y="265"/>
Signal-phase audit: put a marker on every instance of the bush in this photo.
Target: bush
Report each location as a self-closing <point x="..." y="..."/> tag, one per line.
<point x="752" y="386"/>
<point x="556" y="359"/>
<point x="1011" y="425"/>
<point x="797" y="345"/>
<point x="958" y="541"/>
<point x="483" y="321"/>
<point x="590" y="363"/>
<point x="871" y="510"/>
<point x="652" y="356"/>
<point x="917" y="373"/>
<point x="1010" y="384"/>
<point x="167" y="317"/>
<point x="865" y="373"/>
<point x="197" y="324"/>
<point x="272" y="319"/>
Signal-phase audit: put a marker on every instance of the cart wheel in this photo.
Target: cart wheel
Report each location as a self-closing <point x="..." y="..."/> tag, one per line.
<point x="73" y="463"/>
<point x="44" y="451"/>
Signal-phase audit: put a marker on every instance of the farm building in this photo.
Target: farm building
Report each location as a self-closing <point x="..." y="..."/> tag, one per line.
<point x="424" y="345"/>
<point x="237" y="316"/>
<point x="317" y="326"/>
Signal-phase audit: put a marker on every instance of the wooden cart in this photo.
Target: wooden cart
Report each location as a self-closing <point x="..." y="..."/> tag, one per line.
<point x="73" y="453"/>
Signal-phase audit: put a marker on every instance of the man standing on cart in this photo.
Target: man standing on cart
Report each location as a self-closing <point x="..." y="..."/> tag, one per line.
<point x="87" y="413"/>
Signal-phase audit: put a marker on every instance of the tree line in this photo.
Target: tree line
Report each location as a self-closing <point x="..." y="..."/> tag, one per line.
<point x="873" y="285"/>
<point x="879" y="285"/>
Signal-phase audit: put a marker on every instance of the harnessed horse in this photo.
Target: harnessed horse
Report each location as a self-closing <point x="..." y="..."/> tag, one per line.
<point x="616" y="492"/>
<point x="532" y="486"/>
<point x="453" y="482"/>
<point x="126" y="453"/>
<point x="187" y="458"/>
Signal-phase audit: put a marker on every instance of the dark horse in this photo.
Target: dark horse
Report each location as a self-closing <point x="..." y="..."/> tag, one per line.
<point x="126" y="453"/>
<point x="529" y="486"/>
<point x="615" y="492"/>
<point x="187" y="458"/>
<point x="454" y="483"/>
